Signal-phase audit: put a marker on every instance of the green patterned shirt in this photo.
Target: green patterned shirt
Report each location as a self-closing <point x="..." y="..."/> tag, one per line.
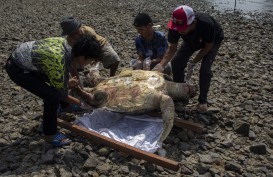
<point x="50" y="57"/>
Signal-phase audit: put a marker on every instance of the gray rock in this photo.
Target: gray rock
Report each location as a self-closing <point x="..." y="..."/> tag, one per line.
<point x="3" y="168"/>
<point x="205" y="175"/>
<point x="241" y="127"/>
<point x="17" y="111"/>
<point x="227" y="144"/>
<point x="252" y="136"/>
<point x="34" y="145"/>
<point x="185" y="170"/>
<point x="214" y="171"/>
<point x="103" y="168"/>
<point x="48" y="157"/>
<point x="3" y="142"/>
<point x="90" y="163"/>
<point x="248" y="175"/>
<point x="205" y="158"/>
<point x="270" y="133"/>
<point x="65" y="172"/>
<point x="84" y="155"/>
<point x="124" y="169"/>
<point x="183" y="136"/>
<point x="150" y="167"/>
<point x="258" y="149"/>
<point x="184" y="146"/>
<point x="162" y="152"/>
<point x="104" y="151"/>
<point x="14" y="135"/>
<point x="202" y="168"/>
<point x="232" y="166"/>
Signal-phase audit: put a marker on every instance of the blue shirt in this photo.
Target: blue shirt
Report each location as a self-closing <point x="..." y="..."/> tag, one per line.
<point x="154" y="48"/>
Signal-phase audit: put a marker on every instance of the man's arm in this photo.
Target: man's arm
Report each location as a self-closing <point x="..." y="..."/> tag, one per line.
<point x="74" y="72"/>
<point x="169" y="54"/>
<point x="71" y="100"/>
<point x="203" y="52"/>
<point x="167" y="57"/>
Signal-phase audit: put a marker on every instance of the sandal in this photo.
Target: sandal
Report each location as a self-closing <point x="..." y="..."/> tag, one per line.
<point x="60" y="140"/>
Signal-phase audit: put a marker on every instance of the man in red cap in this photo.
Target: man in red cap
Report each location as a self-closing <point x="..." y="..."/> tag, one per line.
<point x="199" y="32"/>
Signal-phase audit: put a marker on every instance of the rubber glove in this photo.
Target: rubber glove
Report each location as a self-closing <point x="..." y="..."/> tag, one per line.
<point x="190" y="71"/>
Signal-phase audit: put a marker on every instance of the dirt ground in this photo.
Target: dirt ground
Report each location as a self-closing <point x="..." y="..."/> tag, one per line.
<point x="238" y="140"/>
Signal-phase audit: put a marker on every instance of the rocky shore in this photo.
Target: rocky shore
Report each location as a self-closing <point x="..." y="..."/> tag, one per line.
<point x="238" y="140"/>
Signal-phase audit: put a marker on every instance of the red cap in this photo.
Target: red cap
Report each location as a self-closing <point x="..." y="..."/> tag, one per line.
<point x="182" y="17"/>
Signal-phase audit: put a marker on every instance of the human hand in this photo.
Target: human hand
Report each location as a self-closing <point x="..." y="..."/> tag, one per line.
<point x="156" y="60"/>
<point x="158" y="68"/>
<point x="85" y="106"/>
<point x="190" y="71"/>
<point x="73" y="82"/>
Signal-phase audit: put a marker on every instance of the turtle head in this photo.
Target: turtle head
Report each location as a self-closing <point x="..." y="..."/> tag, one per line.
<point x="180" y="91"/>
<point x="99" y="98"/>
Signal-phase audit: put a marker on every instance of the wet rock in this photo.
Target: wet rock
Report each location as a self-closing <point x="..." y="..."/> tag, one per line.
<point x="252" y="136"/>
<point x="104" y="151"/>
<point x="202" y="168"/>
<point x="227" y="144"/>
<point x="125" y="169"/>
<point x="183" y="136"/>
<point x="48" y="157"/>
<point x="214" y="171"/>
<point x="34" y="145"/>
<point x="258" y="149"/>
<point x="184" y="146"/>
<point x="63" y="172"/>
<point x="103" y="168"/>
<point x="149" y="167"/>
<point x="232" y="166"/>
<point x="270" y="133"/>
<point x="185" y="170"/>
<point x="206" y="159"/>
<point x="242" y="127"/>
<point x="3" y="168"/>
<point x="162" y="152"/>
<point x="90" y="163"/>
<point x="3" y="142"/>
<point x="17" y="111"/>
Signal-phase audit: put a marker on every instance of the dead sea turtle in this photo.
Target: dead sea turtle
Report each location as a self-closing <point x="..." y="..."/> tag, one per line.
<point x="138" y="91"/>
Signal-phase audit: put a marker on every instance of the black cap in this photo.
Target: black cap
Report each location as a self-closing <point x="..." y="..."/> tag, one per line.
<point x="69" y="24"/>
<point x="142" y="19"/>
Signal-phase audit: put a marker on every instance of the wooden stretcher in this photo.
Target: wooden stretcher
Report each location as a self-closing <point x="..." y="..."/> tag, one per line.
<point x="137" y="153"/>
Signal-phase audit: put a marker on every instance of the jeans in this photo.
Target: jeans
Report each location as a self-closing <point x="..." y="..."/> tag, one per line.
<point x="37" y="85"/>
<point x="179" y="63"/>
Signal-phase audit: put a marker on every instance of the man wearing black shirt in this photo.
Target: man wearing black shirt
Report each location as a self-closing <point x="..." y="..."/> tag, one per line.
<point x="199" y="32"/>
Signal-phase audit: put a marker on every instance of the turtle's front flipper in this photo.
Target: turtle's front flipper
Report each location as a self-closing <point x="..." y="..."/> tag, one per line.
<point x="168" y="110"/>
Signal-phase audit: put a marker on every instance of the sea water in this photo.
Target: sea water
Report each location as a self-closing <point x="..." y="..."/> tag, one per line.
<point x="246" y="6"/>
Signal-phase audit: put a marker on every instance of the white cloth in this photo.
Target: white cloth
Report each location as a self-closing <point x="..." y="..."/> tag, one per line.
<point x="140" y="131"/>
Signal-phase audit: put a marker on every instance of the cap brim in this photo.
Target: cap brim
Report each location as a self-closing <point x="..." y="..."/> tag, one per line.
<point x="175" y="27"/>
<point x="66" y="33"/>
